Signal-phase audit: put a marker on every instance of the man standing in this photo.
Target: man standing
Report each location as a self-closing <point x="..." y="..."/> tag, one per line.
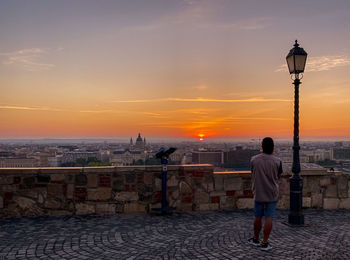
<point x="266" y="170"/>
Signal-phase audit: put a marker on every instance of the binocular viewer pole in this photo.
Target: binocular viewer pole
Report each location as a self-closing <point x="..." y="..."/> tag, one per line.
<point x="163" y="155"/>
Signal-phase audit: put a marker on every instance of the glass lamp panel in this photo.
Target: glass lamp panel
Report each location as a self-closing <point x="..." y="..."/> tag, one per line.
<point x="300" y="61"/>
<point x="290" y="62"/>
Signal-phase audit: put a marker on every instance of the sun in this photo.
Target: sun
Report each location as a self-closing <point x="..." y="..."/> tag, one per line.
<point x="201" y="137"/>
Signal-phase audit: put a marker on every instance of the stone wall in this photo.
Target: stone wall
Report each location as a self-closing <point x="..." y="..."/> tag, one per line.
<point x="109" y="190"/>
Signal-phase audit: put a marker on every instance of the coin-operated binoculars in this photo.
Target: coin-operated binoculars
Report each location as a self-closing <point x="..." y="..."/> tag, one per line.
<point x="163" y="155"/>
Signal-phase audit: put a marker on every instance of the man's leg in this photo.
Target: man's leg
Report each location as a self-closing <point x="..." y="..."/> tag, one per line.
<point x="269" y="214"/>
<point x="258" y="213"/>
<point x="257" y="228"/>
<point x="267" y="228"/>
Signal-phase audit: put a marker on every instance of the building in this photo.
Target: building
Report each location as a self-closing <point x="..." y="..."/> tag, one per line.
<point x="140" y="144"/>
<point x="127" y="157"/>
<point x="211" y="157"/>
<point x="239" y="158"/>
<point x="340" y="154"/>
<point x="14" y="162"/>
<point x="73" y="156"/>
<point x="55" y="161"/>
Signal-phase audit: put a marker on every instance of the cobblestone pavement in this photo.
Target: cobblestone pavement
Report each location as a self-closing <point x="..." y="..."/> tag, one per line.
<point x="196" y="235"/>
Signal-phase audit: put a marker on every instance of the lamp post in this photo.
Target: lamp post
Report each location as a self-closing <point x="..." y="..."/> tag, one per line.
<point x="296" y="60"/>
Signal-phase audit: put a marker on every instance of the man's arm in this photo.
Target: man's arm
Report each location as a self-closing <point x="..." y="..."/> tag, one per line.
<point x="280" y="170"/>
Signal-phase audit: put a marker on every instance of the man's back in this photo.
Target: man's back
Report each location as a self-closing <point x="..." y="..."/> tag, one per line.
<point x="265" y="169"/>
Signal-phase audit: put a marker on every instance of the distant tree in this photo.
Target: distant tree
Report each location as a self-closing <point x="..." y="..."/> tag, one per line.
<point x="327" y="162"/>
<point x="95" y="164"/>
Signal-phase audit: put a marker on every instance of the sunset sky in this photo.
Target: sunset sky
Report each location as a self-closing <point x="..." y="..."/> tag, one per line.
<point x="180" y="68"/>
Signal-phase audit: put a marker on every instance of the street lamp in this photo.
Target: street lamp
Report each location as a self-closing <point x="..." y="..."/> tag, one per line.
<point x="296" y="60"/>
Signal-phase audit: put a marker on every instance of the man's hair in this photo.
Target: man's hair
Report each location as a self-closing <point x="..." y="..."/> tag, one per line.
<point x="267" y="145"/>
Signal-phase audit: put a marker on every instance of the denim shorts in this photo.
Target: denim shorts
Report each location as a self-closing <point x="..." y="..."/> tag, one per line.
<point x="266" y="209"/>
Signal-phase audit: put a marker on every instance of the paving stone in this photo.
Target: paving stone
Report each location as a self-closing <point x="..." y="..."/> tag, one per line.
<point x="189" y="235"/>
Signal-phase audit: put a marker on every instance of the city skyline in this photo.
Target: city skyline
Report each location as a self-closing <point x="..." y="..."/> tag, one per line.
<point x="179" y="69"/>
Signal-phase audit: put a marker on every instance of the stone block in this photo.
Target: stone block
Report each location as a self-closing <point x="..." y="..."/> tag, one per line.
<point x="185" y="188"/>
<point x="4" y="180"/>
<point x="283" y="202"/>
<point x="175" y="194"/>
<point x="227" y="202"/>
<point x="217" y="193"/>
<point x="8" y="188"/>
<point x="325" y="180"/>
<point x="130" y="178"/>
<point x="81" y="180"/>
<point x="218" y="182"/>
<point x="157" y="184"/>
<point x="204" y="206"/>
<point x="16" y="180"/>
<point x="313" y="184"/>
<point x="84" y="209"/>
<point x="331" y="191"/>
<point x="233" y="183"/>
<point x="214" y="206"/>
<point x="119" y="207"/>
<point x="105" y="208"/>
<point x="172" y="182"/>
<point x="342" y="186"/>
<point x="185" y="206"/>
<point x="284" y="187"/>
<point x="59" y="213"/>
<point x="246" y="184"/>
<point x="317" y="200"/>
<point x="56" y="190"/>
<point x="344" y="203"/>
<point x="210" y="186"/>
<point x="201" y="197"/>
<point x="79" y="193"/>
<point x="28" y="206"/>
<point x="31" y="193"/>
<point x="134" y="207"/>
<point x="306" y="202"/>
<point x="69" y="178"/>
<point x="43" y="178"/>
<point x="245" y="203"/>
<point x="215" y="199"/>
<point x="40" y="199"/>
<point x="104" y="180"/>
<point x="52" y="203"/>
<point x="118" y="183"/>
<point x="28" y="182"/>
<point x="92" y="180"/>
<point x="70" y="191"/>
<point x="99" y="194"/>
<point x="330" y="203"/>
<point x="24" y="203"/>
<point x="148" y="179"/>
<point x="126" y="196"/>
<point x="57" y="177"/>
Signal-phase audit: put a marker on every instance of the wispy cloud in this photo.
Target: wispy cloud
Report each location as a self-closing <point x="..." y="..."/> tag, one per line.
<point x="321" y="63"/>
<point x="28" y="59"/>
<point x="11" y="107"/>
<point x="98" y="111"/>
<point x="256" y="23"/>
<point x="201" y="87"/>
<point x="248" y="100"/>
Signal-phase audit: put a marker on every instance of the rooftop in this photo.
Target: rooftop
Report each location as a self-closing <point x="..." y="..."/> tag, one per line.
<point x="193" y="235"/>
